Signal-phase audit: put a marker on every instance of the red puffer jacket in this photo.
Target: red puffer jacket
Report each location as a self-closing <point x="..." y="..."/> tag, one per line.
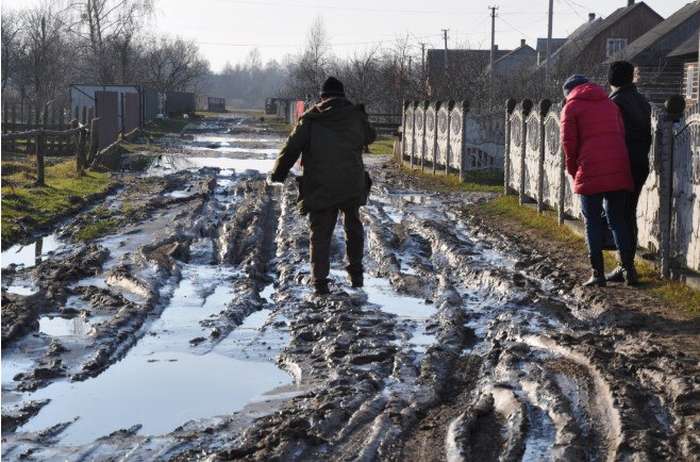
<point x="593" y="139"/>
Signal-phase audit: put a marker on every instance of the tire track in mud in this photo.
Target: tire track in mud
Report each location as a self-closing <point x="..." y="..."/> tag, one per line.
<point x="462" y="346"/>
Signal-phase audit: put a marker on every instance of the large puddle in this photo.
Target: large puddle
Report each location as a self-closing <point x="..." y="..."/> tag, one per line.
<point x="228" y="152"/>
<point x="31" y="254"/>
<point x="161" y="384"/>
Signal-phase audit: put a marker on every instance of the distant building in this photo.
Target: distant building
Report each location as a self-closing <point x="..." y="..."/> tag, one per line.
<point x="521" y="58"/>
<point x="666" y="56"/>
<point x="541" y="48"/>
<point x="601" y="39"/>
<point x="464" y="68"/>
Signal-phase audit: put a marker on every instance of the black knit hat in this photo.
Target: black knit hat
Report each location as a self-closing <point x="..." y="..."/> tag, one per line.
<point x="621" y="73"/>
<point x="332" y="87"/>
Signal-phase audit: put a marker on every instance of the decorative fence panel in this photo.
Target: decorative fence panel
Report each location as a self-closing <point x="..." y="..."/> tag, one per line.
<point x="419" y="138"/>
<point x="408" y="125"/>
<point x="668" y="215"/>
<point x="553" y="161"/>
<point x="454" y="148"/>
<point x="515" y="142"/>
<point x="430" y="134"/>
<point x="532" y="154"/>
<point x="686" y="191"/>
<point x="443" y="135"/>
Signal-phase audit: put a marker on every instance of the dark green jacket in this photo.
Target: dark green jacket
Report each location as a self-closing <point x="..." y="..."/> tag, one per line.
<point x="330" y="138"/>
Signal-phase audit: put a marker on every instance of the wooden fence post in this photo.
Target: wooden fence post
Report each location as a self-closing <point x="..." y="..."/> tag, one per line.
<point x="94" y="140"/>
<point x="510" y="107"/>
<point x="527" y="107"/>
<point x="674" y="106"/>
<point x="545" y="104"/>
<point x="40" y="146"/>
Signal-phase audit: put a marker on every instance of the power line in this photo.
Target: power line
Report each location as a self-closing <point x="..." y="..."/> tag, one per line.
<point x="292" y="45"/>
<point x="375" y="10"/>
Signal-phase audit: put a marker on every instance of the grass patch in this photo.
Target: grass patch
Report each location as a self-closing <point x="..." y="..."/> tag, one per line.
<point x="97" y="229"/>
<point x="39" y="207"/>
<point x="160" y="127"/>
<point x="674" y="294"/>
<point x="487" y="181"/>
<point x="383" y="146"/>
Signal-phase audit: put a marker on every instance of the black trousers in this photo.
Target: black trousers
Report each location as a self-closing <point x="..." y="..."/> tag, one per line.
<point x="322" y="226"/>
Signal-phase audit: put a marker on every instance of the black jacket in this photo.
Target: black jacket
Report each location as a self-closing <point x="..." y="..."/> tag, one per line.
<point x="330" y="137"/>
<point x="636" y="114"/>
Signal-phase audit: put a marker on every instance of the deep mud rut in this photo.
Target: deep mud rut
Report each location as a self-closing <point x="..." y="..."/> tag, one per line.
<point x="189" y="332"/>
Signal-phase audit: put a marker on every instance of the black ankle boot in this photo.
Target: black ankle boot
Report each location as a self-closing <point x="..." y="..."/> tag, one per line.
<point x="629" y="271"/>
<point x="321" y="288"/>
<point x="357" y="280"/>
<point x="598" y="277"/>
<point x="616" y="275"/>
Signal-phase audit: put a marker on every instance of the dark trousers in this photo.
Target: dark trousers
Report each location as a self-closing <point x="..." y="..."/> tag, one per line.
<point x="615" y="204"/>
<point x="322" y="226"/>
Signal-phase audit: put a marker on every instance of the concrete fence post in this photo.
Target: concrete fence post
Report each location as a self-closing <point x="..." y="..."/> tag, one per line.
<point x="424" y="143"/>
<point x="510" y="107"/>
<point x="438" y="105"/>
<point x="415" y="141"/>
<point x="526" y="108"/>
<point x="545" y="105"/>
<point x="561" y="200"/>
<point x="674" y="106"/>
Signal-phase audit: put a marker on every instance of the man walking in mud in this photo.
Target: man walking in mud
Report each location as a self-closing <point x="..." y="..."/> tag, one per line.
<point x="330" y="138"/>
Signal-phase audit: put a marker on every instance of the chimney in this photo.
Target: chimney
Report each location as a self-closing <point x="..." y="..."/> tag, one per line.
<point x="630" y="2"/>
<point x="591" y="17"/>
<point x="495" y="47"/>
<point x="522" y="42"/>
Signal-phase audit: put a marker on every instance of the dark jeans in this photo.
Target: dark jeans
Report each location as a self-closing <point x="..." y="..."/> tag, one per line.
<point x="615" y="204"/>
<point x="322" y="226"/>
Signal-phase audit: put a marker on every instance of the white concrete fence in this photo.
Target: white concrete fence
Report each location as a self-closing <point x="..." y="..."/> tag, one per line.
<point x="445" y="137"/>
<point x="669" y="206"/>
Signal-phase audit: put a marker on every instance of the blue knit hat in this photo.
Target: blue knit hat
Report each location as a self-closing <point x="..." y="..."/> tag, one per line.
<point x="573" y="82"/>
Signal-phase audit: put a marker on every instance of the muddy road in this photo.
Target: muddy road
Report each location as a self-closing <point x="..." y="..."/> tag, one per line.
<point x="186" y="329"/>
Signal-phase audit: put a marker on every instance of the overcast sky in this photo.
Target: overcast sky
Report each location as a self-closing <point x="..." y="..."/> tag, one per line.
<point x="226" y="30"/>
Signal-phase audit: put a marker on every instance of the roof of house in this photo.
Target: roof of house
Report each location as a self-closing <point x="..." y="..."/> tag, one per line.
<point x="461" y="58"/>
<point x="648" y="39"/>
<point x="556" y="44"/>
<point x="587" y="33"/>
<point x="689" y="47"/>
<point x="521" y="50"/>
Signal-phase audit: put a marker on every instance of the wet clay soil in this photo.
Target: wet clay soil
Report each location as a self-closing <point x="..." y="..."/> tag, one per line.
<point x="189" y="332"/>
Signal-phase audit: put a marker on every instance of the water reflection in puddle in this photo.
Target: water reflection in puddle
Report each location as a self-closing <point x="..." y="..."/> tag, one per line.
<point x="57" y="326"/>
<point x="31" y="254"/>
<point x="169" y="164"/>
<point x="161" y="384"/>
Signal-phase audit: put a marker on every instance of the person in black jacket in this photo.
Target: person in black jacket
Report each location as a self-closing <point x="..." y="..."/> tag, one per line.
<point x="636" y="115"/>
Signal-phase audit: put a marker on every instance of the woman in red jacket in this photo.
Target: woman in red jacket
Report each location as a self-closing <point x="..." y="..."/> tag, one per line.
<point x="593" y="140"/>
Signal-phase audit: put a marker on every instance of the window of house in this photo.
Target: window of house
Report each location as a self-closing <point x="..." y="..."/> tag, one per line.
<point x="615" y="45"/>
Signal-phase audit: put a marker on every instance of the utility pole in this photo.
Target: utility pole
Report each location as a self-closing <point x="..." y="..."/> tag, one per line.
<point x="549" y="45"/>
<point x="444" y="33"/>
<point x="492" y="59"/>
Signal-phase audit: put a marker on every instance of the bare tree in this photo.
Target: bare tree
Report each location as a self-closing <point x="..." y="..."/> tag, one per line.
<point x="109" y="27"/>
<point x="173" y="64"/>
<point x="11" y="44"/>
<point x="312" y="69"/>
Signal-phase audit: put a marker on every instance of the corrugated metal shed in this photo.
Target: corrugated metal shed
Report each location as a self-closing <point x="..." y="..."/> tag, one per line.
<point x="83" y="95"/>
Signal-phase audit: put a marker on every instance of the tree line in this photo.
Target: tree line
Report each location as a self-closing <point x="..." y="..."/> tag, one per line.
<point x="47" y="47"/>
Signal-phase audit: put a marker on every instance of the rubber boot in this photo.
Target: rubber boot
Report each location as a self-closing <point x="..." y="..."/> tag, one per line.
<point x="616" y="275"/>
<point x="630" y="272"/>
<point x="598" y="276"/>
<point x="357" y="280"/>
<point x="321" y="288"/>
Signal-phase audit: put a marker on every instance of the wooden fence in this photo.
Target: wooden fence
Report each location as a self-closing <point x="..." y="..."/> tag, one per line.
<point x="41" y="134"/>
